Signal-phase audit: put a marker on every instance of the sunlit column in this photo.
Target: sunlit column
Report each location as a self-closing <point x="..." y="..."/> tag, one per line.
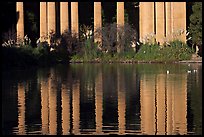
<point x="160" y="87"/>
<point x="45" y="107"/>
<point x="76" y="108"/>
<point x="65" y="110"/>
<point x="179" y="18"/>
<point x="64" y="22"/>
<point x="180" y="105"/>
<point x="99" y="103"/>
<point x="43" y="20"/>
<point x="21" y="109"/>
<point x="97" y="21"/>
<point x="51" y="17"/>
<point x="74" y="18"/>
<point x="120" y="13"/>
<point x="52" y="104"/>
<point x="168" y="20"/>
<point x="148" y="106"/>
<point x="121" y="103"/>
<point x="20" y="21"/>
<point x="120" y="22"/>
<point x="146" y="18"/>
<point x="160" y="22"/>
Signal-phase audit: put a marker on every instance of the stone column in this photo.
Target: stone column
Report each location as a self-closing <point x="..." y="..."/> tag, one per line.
<point x="146" y="18"/>
<point x="179" y="18"/>
<point x="64" y="17"/>
<point x="20" y="21"/>
<point x="43" y="20"/>
<point x="74" y="18"/>
<point x="97" y="21"/>
<point x="120" y="13"/>
<point x="51" y="17"/>
<point x="160" y="22"/>
<point x="120" y="22"/>
<point x="168" y="20"/>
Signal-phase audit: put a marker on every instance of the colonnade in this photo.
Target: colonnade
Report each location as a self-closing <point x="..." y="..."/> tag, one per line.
<point x="160" y="18"/>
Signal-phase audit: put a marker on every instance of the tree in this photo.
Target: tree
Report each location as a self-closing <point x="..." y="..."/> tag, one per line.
<point x="195" y="28"/>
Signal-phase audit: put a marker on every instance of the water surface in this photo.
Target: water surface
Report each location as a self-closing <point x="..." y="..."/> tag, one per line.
<point x="103" y="99"/>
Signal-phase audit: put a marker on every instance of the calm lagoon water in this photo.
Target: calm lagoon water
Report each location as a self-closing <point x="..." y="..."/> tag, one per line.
<point x="103" y="99"/>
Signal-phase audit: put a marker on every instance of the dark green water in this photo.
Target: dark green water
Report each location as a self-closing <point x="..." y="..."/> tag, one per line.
<point x="103" y="99"/>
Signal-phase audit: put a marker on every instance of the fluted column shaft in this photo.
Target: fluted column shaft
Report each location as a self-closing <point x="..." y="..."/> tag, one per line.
<point x="179" y="18"/>
<point x="160" y="22"/>
<point x="64" y="22"/>
<point x="168" y="19"/>
<point x="120" y="13"/>
<point x="97" y="21"/>
<point x="74" y="17"/>
<point x="146" y="18"/>
<point x="43" y="20"/>
<point x="20" y="21"/>
<point x="51" y="17"/>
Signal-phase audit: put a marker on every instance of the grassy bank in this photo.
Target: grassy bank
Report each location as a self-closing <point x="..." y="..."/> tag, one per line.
<point x="175" y="51"/>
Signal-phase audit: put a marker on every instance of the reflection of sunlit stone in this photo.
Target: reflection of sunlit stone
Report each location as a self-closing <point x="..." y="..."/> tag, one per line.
<point x="65" y="110"/>
<point x="180" y="105"/>
<point x="45" y="107"/>
<point x="52" y="104"/>
<point x="99" y="103"/>
<point x="121" y="104"/>
<point x="170" y="104"/>
<point x="147" y="98"/>
<point x="21" y="109"/>
<point x="75" y="105"/>
<point x="160" y="97"/>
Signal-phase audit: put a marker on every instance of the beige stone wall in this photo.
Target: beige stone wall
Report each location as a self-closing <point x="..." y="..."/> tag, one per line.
<point x="20" y="21"/>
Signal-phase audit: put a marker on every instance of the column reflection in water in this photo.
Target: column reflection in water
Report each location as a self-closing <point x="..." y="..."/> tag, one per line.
<point x="164" y="104"/>
<point x="160" y="99"/>
<point x="121" y="102"/>
<point x="21" y="109"/>
<point x="179" y="104"/>
<point x="75" y="107"/>
<point x="65" y="110"/>
<point x="99" y="103"/>
<point x="147" y="94"/>
<point x="45" y="106"/>
<point x="52" y="103"/>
